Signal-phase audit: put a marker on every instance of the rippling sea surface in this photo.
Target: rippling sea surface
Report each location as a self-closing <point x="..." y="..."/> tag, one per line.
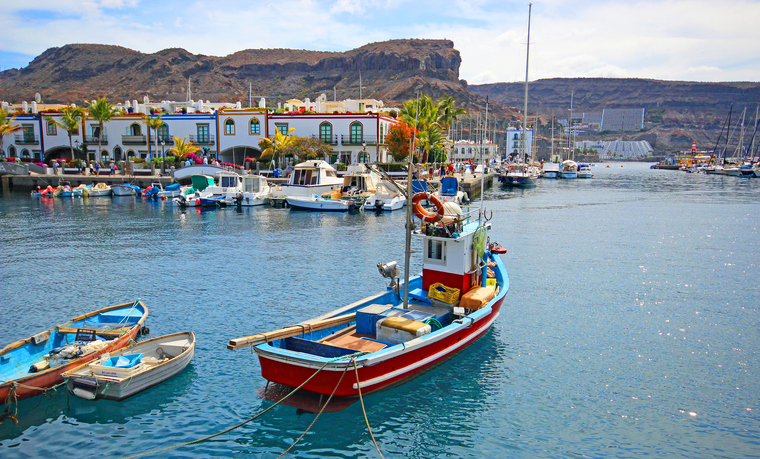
<point x="630" y="330"/>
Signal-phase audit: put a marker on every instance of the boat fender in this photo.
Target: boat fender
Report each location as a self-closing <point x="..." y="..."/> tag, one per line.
<point x="423" y="214"/>
<point x="198" y="201"/>
<point x="39" y="366"/>
<point x="85" y="394"/>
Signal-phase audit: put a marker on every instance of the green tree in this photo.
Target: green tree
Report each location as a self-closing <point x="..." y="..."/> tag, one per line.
<point x="70" y="119"/>
<point x="154" y="123"/>
<point x="6" y="127"/>
<point x="275" y="145"/>
<point x="101" y="111"/>
<point x="430" y="120"/>
<point x="182" y="147"/>
<point x="302" y="148"/>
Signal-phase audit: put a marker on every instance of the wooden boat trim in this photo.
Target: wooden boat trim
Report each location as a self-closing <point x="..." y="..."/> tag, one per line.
<point x="287" y="332"/>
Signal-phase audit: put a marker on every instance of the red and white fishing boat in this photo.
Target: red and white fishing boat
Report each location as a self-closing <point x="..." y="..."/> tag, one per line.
<point x="414" y="324"/>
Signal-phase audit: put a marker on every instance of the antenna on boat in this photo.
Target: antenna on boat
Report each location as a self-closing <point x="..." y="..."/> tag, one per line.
<point x="409" y="224"/>
<point x="483" y="174"/>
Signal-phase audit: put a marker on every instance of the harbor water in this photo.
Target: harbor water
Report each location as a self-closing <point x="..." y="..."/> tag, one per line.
<point x="630" y="329"/>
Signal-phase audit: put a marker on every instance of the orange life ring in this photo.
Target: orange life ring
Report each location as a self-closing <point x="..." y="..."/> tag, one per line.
<point x="423" y="214"/>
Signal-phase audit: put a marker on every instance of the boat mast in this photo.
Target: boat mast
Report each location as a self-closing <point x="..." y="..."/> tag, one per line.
<point x="483" y="174"/>
<point x="525" y="108"/>
<point x="409" y="223"/>
<point x="570" y="143"/>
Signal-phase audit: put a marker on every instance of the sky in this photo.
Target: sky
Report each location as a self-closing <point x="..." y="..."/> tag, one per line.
<point x="684" y="40"/>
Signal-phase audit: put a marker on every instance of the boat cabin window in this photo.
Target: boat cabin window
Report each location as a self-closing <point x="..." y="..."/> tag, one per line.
<point x="251" y="185"/>
<point x="329" y="173"/>
<point x="435" y="251"/>
<point x="227" y="181"/>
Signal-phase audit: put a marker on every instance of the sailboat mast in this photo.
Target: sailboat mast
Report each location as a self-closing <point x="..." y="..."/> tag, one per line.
<point x="525" y="107"/>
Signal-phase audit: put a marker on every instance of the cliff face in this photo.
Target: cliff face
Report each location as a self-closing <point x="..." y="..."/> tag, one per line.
<point x="74" y="73"/>
<point x="676" y="112"/>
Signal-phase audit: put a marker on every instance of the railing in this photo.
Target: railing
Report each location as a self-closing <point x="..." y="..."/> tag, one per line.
<point x="202" y="139"/>
<point x="166" y="140"/>
<point x="24" y="139"/>
<point x="367" y="139"/>
<point x="134" y="140"/>
<point x="93" y="139"/>
<point x="333" y="139"/>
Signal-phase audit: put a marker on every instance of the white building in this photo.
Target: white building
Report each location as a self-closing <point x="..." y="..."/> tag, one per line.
<point x="467" y="150"/>
<point x="225" y="131"/>
<point x="514" y="144"/>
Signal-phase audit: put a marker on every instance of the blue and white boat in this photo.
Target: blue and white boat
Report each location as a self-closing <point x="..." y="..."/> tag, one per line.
<point x="31" y="366"/>
<point x="569" y="169"/>
<point x="584" y="171"/>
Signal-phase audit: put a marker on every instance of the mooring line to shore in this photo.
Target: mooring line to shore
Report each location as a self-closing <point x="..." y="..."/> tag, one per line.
<point x="208" y="437"/>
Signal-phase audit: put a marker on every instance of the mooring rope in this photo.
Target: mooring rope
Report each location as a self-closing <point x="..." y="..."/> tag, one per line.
<point x="364" y="411"/>
<point x="353" y="359"/>
<point x="208" y="437"/>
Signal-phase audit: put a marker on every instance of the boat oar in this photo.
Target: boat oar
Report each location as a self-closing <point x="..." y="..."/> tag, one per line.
<point x="287" y="332"/>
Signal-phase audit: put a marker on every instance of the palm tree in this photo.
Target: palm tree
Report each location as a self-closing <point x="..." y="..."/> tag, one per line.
<point x="155" y="124"/>
<point x="430" y="120"/>
<point x="101" y="111"/>
<point x="182" y="147"/>
<point x="277" y="144"/>
<point x="6" y="127"/>
<point x="70" y="119"/>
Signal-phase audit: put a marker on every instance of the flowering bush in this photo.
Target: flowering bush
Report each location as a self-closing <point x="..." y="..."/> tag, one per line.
<point x="40" y="164"/>
<point x="195" y="158"/>
<point x="231" y="165"/>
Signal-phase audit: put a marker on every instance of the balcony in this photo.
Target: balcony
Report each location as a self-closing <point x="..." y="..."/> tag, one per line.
<point x="333" y="140"/>
<point x="93" y="140"/>
<point x="166" y="140"/>
<point x="134" y="140"/>
<point x="368" y="139"/>
<point x="26" y="139"/>
<point x="202" y="139"/>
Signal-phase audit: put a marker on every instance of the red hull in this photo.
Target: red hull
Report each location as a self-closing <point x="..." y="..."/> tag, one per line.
<point x="380" y="375"/>
<point x="37" y="383"/>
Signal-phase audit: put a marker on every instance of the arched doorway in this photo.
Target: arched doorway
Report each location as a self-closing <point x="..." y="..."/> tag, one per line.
<point x="117" y="155"/>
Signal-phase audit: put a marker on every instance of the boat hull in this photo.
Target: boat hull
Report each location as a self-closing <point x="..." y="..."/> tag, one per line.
<point x="33" y="384"/>
<point x="119" y="190"/>
<point x="519" y="180"/>
<point x="109" y="389"/>
<point x="390" y="372"/>
<point x="322" y="205"/>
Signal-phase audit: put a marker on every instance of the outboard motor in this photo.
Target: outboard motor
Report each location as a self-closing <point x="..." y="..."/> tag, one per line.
<point x="379" y="205"/>
<point x="238" y="200"/>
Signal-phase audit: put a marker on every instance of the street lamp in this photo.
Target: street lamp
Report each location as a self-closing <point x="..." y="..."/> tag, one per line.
<point x="163" y="156"/>
<point x="364" y="150"/>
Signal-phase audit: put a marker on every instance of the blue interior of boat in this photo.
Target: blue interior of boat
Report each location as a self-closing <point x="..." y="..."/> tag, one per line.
<point x="15" y="363"/>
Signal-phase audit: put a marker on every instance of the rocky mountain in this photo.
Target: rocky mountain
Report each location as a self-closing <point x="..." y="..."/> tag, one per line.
<point x="677" y="113"/>
<point x="392" y="70"/>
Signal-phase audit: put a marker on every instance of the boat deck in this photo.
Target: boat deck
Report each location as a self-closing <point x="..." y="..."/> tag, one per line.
<point x="350" y="339"/>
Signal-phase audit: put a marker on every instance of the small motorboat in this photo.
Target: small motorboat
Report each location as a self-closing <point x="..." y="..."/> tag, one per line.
<point x="99" y="189"/>
<point x="121" y="374"/>
<point x="30" y="366"/>
<point x="388" y="197"/>
<point x="47" y="191"/>
<point x="125" y="189"/>
<point x="322" y="204"/>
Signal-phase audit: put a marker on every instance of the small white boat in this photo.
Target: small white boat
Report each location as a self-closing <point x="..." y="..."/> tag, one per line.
<point x="99" y="189"/>
<point x="450" y="191"/>
<point x="308" y="178"/>
<point x="256" y="191"/>
<point x="121" y="374"/>
<point x="584" y="171"/>
<point x="123" y="190"/>
<point x="387" y="197"/>
<point x="569" y="169"/>
<point x="322" y="204"/>
<point x="550" y="170"/>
